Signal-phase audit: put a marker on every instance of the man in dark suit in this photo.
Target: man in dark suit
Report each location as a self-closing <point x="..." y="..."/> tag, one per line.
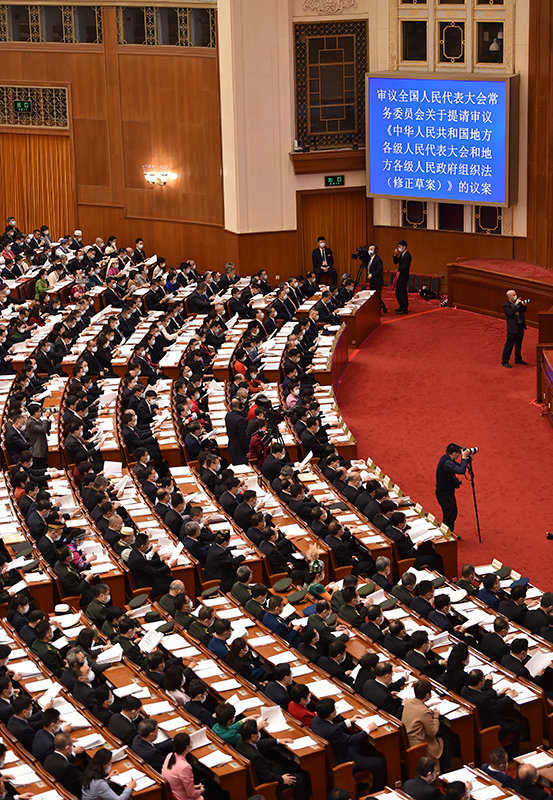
<point x="375" y="274"/>
<point x="536" y="618"/>
<point x="123" y="725"/>
<point x="515" y="661"/>
<point x="396" y="640"/>
<point x="346" y="747"/>
<point x="422" y="658"/>
<point x="515" y="311"/>
<point x="372" y="628"/>
<point x="493" y="643"/>
<point x="43" y="744"/>
<point x="420" y="787"/>
<point x="447" y="481"/>
<point x="60" y="764"/>
<point x="190" y="533"/>
<point x="148" y="571"/>
<point x="220" y="563"/>
<point x="271" y="467"/>
<point x="497" y="767"/>
<point x="258" y="751"/>
<point x="333" y="662"/>
<point x="514" y="607"/>
<point x="323" y="260"/>
<point x="235" y="424"/>
<point x="494" y="709"/>
<point x="47" y="544"/>
<point x="378" y="692"/>
<point x="143" y="744"/>
<point x="422" y="603"/>
<point x="16" y="439"/>
<point x="20" y="723"/>
<point x="402" y="257"/>
<point x="526" y="783"/>
<point x="36" y="521"/>
<point x="229" y="498"/>
<point x="277" y="689"/>
<point x="197" y="301"/>
<point x="197" y="691"/>
<point x="245" y="509"/>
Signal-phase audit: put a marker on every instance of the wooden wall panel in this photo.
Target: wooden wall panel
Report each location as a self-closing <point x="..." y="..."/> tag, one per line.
<point x="91" y="142"/>
<point x="340" y="216"/>
<point x="540" y="135"/>
<point x="432" y="250"/>
<point x="37" y="181"/>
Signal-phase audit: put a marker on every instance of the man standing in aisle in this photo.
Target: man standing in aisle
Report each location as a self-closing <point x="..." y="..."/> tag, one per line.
<point x="402" y="257"/>
<point x="375" y="274"/>
<point x="446" y="481"/>
<point x="514" y="310"/>
<point x="323" y="261"/>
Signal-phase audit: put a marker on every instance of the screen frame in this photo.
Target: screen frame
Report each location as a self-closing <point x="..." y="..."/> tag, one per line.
<point x="512" y="90"/>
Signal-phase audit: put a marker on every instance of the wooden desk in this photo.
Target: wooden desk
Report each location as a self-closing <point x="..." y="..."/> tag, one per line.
<point x="480" y="285"/>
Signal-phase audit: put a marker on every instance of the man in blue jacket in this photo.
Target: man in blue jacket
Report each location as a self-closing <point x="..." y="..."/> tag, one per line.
<point x="446" y="481"/>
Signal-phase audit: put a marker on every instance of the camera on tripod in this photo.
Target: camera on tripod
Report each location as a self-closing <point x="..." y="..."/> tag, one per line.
<point x="471" y="450"/>
<point x="362" y="253"/>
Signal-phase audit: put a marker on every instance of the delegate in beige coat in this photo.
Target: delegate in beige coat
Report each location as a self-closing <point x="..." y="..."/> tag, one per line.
<point x="422" y="726"/>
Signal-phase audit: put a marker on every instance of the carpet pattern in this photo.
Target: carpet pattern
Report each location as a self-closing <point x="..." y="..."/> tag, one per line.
<point x="433" y="377"/>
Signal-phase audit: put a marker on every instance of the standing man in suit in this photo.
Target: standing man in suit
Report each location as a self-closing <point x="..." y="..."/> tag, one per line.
<point x="37" y="430"/>
<point x="235" y="423"/>
<point x="375" y="274"/>
<point x="323" y="260"/>
<point x="402" y="257"/>
<point x="515" y="310"/>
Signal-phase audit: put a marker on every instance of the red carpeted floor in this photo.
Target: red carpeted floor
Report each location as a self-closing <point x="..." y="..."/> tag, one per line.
<point x="434" y="376"/>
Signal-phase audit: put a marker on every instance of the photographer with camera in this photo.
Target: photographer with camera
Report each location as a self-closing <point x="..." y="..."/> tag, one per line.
<point x="515" y="310"/>
<point x="446" y="481"/>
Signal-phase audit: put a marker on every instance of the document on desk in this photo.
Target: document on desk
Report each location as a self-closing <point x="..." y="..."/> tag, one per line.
<point x="199" y="739"/>
<point x="539" y="662"/>
<point x="215" y="759"/>
<point x="275" y="719"/>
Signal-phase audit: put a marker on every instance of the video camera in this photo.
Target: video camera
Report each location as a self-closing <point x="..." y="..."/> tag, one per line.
<point x="362" y="253"/>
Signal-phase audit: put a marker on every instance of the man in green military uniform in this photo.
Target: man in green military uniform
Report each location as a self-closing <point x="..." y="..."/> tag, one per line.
<point x="199" y="628"/>
<point x="73" y="582"/>
<point x="48" y="654"/>
<point x="183" y="608"/>
<point x="97" y="608"/>
<point x="256" y="605"/>
<point x="127" y="628"/>
<point x="241" y="590"/>
<point x="318" y="620"/>
<point x="353" y="612"/>
<point x="167" y="601"/>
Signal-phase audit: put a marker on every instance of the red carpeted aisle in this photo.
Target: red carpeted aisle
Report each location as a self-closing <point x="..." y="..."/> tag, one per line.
<point x="434" y="376"/>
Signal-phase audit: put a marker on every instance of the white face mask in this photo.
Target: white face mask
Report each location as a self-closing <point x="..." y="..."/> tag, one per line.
<point x="322" y="244"/>
<point x="90" y="675"/>
<point x="139" y="246"/>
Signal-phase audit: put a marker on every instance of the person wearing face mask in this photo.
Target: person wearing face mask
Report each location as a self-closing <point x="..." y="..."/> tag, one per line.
<point x="73" y="581"/>
<point x="82" y="688"/>
<point x="60" y="764"/>
<point x="333" y="663"/>
<point x="323" y="260"/>
<point x="43" y="744"/>
<point x="375" y="274"/>
<point x="23" y="724"/>
<point x="48" y="654"/>
<point x="515" y="312"/>
<point x="96" y="609"/>
<point x="127" y="639"/>
<point x="143" y="744"/>
<point x="123" y="724"/>
<point x="197" y="690"/>
<point x="402" y="257"/>
<point x="16" y="439"/>
<point x="95" y="779"/>
<point x="16" y="612"/>
<point x="50" y="542"/>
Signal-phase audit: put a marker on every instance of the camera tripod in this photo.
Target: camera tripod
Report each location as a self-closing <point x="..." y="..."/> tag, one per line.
<point x="470" y="469"/>
<point x="363" y="267"/>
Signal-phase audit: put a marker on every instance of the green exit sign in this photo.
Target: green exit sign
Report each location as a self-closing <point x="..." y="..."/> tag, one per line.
<point x="335" y="180"/>
<point x="22" y="106"/>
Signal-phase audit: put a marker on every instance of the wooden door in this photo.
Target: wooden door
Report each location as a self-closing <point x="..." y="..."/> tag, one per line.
<point x="341" y="217"/>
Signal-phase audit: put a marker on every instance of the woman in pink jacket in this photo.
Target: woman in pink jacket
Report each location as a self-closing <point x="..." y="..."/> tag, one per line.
<point x="178" y="772"/>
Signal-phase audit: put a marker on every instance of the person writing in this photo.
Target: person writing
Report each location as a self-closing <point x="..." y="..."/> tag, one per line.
<point x="95" y="779"/>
